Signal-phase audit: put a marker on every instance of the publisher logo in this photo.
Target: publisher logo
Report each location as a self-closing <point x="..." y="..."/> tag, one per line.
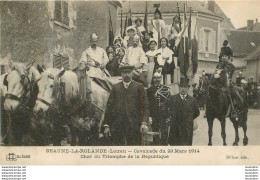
<point x="11" y="157"/>
<point x="14" y="157"/>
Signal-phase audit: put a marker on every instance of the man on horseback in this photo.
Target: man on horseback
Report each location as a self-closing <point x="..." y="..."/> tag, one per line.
<point x="225" y="70"/>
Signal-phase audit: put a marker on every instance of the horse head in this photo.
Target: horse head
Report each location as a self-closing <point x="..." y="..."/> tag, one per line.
<point x="18" y="83"/>
<point x="47" y="88"/>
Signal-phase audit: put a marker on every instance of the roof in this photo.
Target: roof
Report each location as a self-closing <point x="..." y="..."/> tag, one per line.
<point x="243" y="42"/>
<point x="138" y="7"/>
<point x="256" y="27"/>
<point x="254" y="55"/>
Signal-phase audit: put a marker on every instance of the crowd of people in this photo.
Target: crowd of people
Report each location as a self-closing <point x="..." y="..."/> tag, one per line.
<point x="149" y="51"/>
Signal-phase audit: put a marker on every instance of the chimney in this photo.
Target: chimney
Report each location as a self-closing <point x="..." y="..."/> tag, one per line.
<point x="211" y="6"/>
<point x="250" y="24"/>
<point x="256" y="20"/>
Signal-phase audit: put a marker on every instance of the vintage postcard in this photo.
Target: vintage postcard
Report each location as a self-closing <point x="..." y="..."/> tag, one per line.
<point x="130" y="82"/>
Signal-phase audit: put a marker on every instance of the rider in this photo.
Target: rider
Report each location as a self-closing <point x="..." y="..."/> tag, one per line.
<point x="227" y="69"/>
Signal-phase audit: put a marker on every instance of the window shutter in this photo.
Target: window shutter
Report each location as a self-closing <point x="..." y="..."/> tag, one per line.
<point x="57" y="61"/>
<point x="65" y="13"/>
<point x="65" y="61"/>
<point x="57" y="11"/>
<point x="201" y="39"/>
<point x="213" y="41"/>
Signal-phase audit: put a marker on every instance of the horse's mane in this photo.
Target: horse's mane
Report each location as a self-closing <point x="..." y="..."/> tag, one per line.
<point x="70" y="79"/>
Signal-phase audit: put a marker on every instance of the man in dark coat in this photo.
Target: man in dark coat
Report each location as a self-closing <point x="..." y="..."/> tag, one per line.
<point x="127" y="111"/>
<point x="182" y="110"/>
<point x="157" y="95"/>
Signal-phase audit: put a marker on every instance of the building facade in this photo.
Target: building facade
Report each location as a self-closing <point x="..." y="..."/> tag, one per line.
<point x="54" y="33"/>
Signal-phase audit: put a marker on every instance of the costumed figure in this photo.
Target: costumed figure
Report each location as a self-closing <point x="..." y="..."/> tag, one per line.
<point x="165" y="59"/>
<point x="225" y="70"/>
<point x="157" y="95"/>
<point x="139" y="28"/>
<point x="118" y="43"/>
<point x="129" y="38"/>
<point x="175" y="30"/>
<point x="152" y="65"/>
<point x="147" y="35"/>
<point x="96" y="58"/>
<point x="135" y="56"/>
<point x="157" y="25"/>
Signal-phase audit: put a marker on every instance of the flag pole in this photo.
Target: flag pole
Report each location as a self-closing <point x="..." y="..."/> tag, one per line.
<point x="121" y="25"/>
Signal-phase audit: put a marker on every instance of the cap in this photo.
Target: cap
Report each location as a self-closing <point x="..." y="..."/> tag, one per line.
<point x="126" y="66"/>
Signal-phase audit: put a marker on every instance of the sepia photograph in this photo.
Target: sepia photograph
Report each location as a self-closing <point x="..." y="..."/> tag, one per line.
<point x="129" y="73"/>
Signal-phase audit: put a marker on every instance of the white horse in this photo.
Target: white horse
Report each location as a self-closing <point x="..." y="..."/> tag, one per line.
<point x="18" y="100"/>
<point x="71" y="103"/>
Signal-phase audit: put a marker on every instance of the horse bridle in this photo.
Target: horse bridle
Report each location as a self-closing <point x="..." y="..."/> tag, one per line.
<point x="15" y="97"/>
<point x="43" y="101"/>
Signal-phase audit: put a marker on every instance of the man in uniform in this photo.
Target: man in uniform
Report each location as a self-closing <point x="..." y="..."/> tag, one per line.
<point x="226" y="70"/>
<point x="127" y="111"/>
<point x="157" y="95"/>
<point x="182" y="109"/>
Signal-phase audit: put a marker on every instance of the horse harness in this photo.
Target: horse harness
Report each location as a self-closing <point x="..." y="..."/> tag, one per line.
<point x="24" y="99"/>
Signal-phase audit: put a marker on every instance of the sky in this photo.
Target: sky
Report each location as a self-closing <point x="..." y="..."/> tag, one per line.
<point x="240" y="11"/>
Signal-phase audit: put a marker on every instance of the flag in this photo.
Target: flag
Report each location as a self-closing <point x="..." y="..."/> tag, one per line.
<point x="110" y="30"/>
<point x="130" y="18"/>
<point x="194" y="44"/>
<point x="189" y="52"/>
<point x="179" y="15"/>
<point x="146" y="18"/>
<point x="126" y="19"/>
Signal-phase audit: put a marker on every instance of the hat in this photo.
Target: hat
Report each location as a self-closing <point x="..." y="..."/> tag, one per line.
<point x="94" y="36"/>
<point x="158" y="11"/>
<point x="130" y="28"/>
<point x="148" y="32"/>
<point x="126" y="66"/>
<point x="156" y="74"/>
<point x="138" y="19"/>
<point x="225" y="43"/>
<point x="152" y="41"/>
<point x="184" y="82"/>
<point x="117" y="38"/>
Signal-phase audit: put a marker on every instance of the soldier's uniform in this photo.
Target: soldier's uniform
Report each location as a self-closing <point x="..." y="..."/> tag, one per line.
<point x="227" y="72"/>
<point x="157" y="96"/>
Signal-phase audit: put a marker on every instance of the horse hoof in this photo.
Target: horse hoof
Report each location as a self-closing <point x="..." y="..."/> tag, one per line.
<point x="210" y="144"/>
<point x="225" y="144"/>
<point x="235" y="144"/>
<point x="245" y="141"/>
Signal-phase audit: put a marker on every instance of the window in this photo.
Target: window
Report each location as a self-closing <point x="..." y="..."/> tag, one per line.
<point x="207" y="40"/>
<point x="60" y="61"/>
<point x="61" y="12"/>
